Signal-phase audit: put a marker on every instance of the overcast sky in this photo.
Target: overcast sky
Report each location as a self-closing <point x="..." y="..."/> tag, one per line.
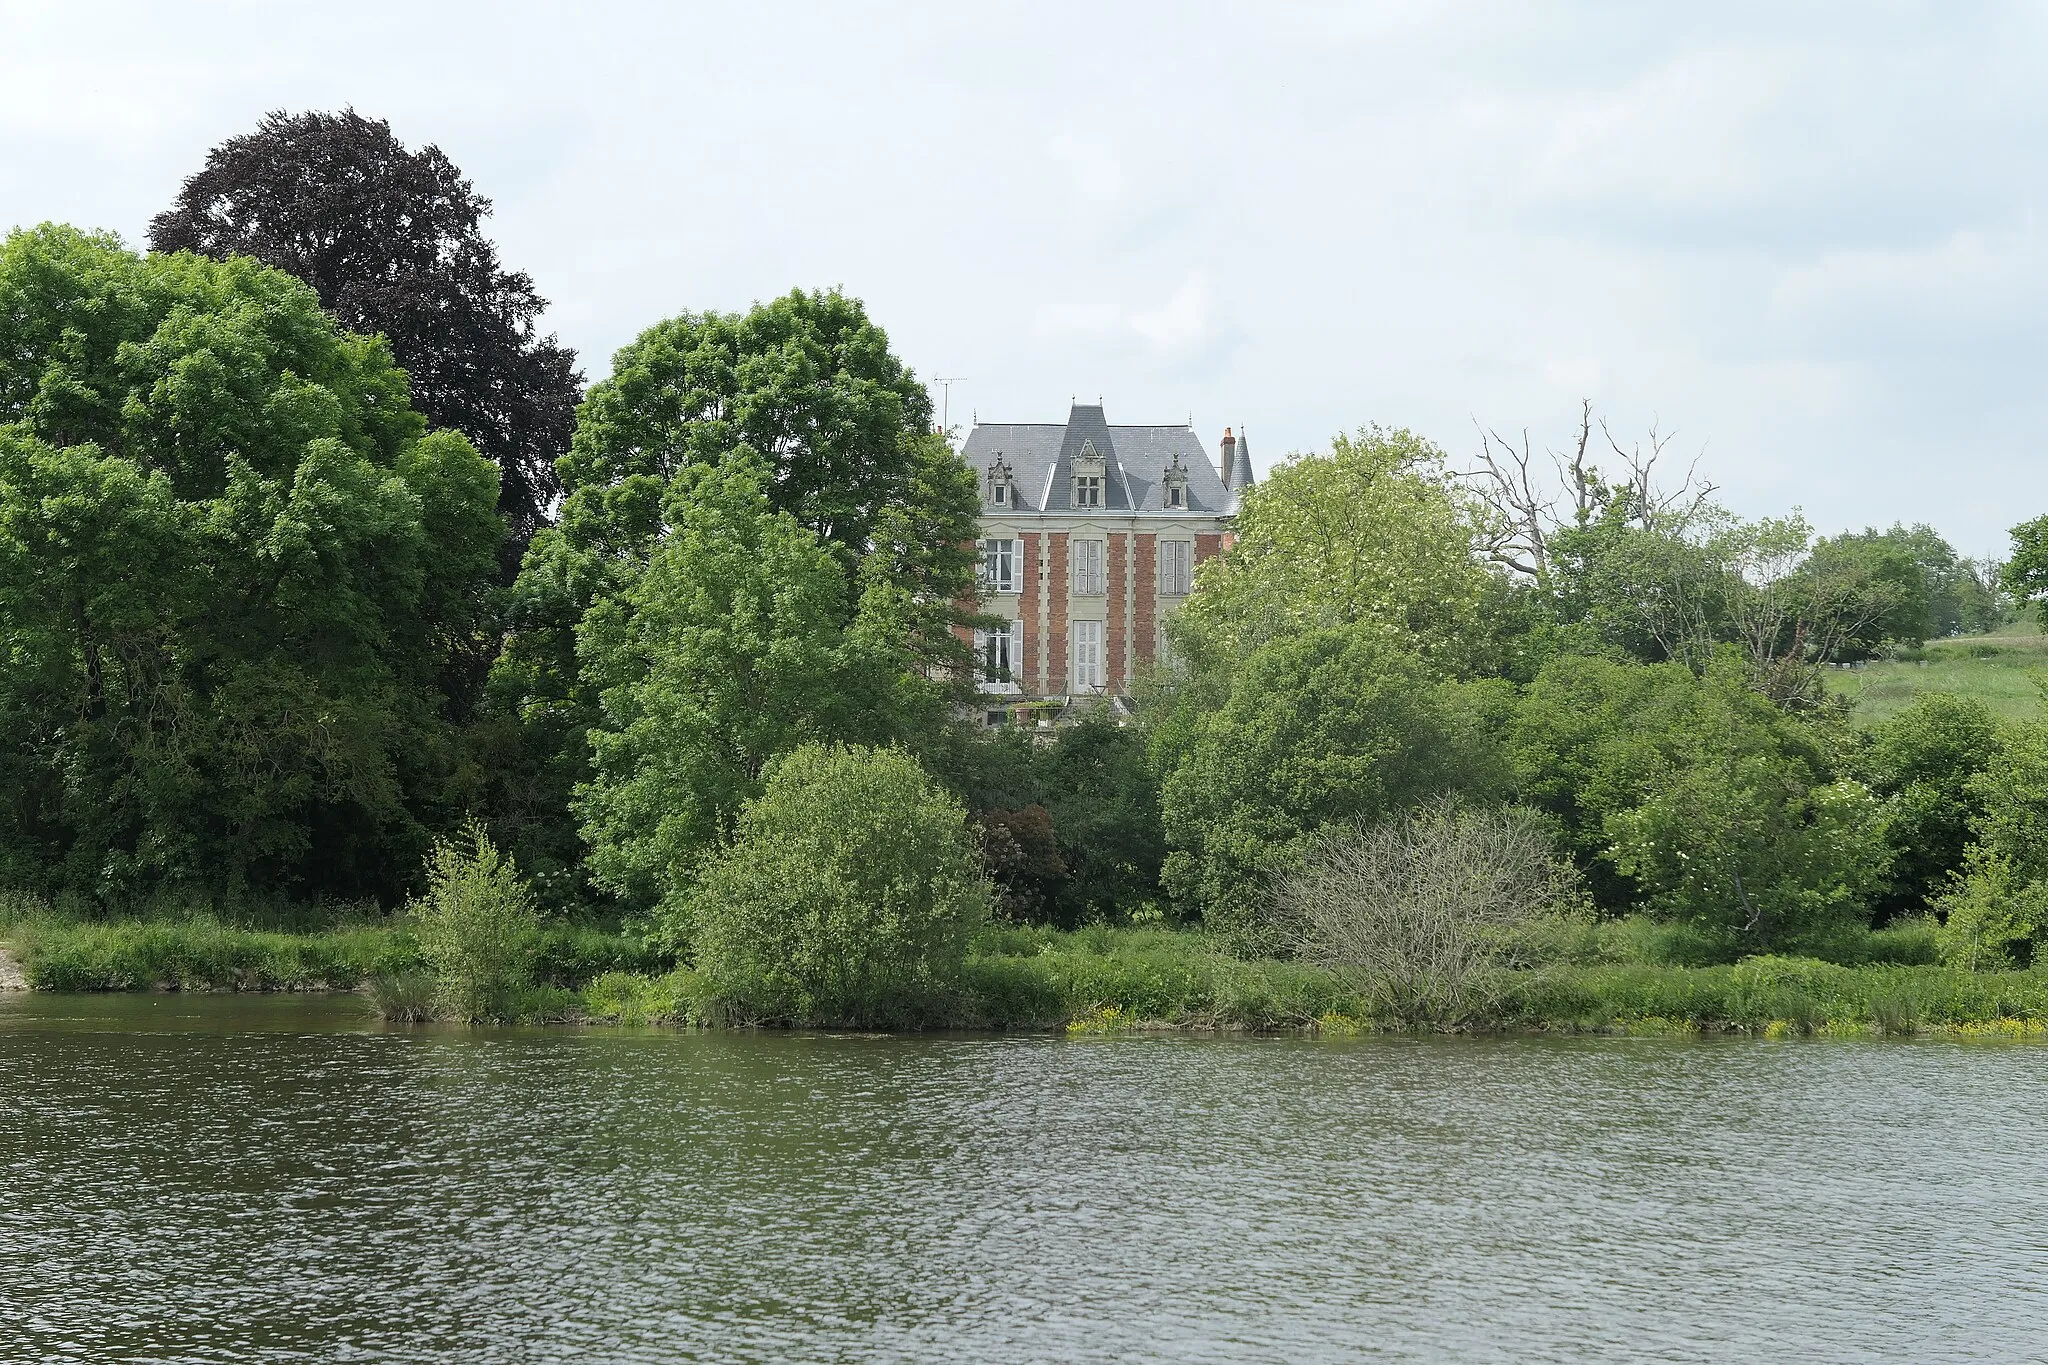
<point x="1807" y="237"/>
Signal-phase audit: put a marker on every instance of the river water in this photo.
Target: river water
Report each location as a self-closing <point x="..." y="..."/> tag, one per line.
<point x="219" y="1178"/>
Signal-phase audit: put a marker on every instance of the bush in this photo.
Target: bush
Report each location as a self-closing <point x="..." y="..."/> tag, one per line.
<point x="1419" y="910"/>
<point x="847" y="897"/>
<point x="477" y="927"/>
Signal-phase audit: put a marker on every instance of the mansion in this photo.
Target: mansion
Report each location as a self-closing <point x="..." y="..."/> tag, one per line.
<point x="1090" y="534"/>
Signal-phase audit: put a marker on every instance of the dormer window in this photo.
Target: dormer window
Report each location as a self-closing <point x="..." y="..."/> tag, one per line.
<point x="999" y="482"/>
<point x="1090" y="473"/>
<point x="1176" y="482"/>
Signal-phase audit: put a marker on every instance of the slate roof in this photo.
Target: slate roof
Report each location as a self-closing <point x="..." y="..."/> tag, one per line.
<point x="1041" y="457"/>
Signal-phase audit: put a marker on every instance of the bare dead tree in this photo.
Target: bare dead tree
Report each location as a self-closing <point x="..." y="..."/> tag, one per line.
<point x="1660" y="509"/>
<point x="1420" y="910"/>
<point x="1527" y="504"/>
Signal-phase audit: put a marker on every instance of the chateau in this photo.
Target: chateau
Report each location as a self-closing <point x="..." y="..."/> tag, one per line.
<point x="1090" y="534"/>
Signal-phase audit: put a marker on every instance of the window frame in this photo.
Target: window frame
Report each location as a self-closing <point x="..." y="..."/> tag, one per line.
<point x="1085" y="670"/>
<point x="1099" y="557"/>
<point x="1006" y="557"/>
<point x="1176" y="579"/>
<point x="1092" y="486"/>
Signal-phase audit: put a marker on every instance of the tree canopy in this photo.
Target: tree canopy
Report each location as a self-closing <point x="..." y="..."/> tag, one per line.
<point x="392" y="242"/>
<point x="233" y="567"/>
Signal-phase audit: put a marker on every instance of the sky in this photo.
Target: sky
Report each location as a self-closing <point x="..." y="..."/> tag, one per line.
<point x="1806" y="238"/>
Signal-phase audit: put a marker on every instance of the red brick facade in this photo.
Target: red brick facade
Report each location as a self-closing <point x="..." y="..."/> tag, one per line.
<point x="1057" y="668"/>
<point x="1145" y="599"/>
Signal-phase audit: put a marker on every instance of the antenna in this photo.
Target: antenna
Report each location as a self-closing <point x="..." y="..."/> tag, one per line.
<point x="946" y="383"/>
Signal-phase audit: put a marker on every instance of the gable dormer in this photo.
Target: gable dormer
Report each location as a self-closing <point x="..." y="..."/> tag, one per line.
<point x="1174" y="485"/>
<point x="1091" y="478"/>
<point x="1000" y="483"/>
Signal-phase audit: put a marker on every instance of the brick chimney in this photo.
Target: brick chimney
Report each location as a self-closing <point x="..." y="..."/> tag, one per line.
<point x="1228" y="458"/>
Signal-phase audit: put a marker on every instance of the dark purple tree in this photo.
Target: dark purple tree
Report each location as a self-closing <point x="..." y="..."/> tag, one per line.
<point x="391" y="240"/>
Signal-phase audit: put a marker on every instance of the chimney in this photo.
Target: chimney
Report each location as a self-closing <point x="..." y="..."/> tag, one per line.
<point x="1228" y="460"/>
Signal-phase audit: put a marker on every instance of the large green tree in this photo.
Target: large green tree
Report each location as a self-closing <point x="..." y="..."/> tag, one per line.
<point x="804" y="385"/>
<point x="737" y="643"/>
<point x="1375" y="531"/>
<point x="234" y="567"/>
<point x="1319" y="730"/>
<point x="392" y="241"/>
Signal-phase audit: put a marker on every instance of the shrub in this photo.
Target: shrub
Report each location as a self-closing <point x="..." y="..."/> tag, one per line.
<point x="847" y="896"/>
<point x="1419" y="910"/>
<point x="476" y="925"/>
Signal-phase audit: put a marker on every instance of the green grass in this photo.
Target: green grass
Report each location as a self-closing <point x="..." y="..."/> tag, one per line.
<point x="197" y="950"/>
<point x="1997" y="669"/>
<point x="1105" y="980"/>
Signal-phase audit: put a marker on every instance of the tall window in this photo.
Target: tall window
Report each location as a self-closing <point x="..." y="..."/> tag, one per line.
<point x="995" y="653"/>
<point x="1176" y="567"/>
<point x="1088" y="577"/>
<point x="1177" y="496"/>
<point x="1000" y="495"/>
<point x="1087" y="656"/>
<point x="998" y="565"/>
<point x="1088" y="490"/>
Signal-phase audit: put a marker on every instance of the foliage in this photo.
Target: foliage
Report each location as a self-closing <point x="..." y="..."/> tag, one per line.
<point x="1070" y="829"/>
<point x="391" y="240"/>
<point x="1922" y="763"/>
<point x="1421" y="910"/>
<point x="233" y="572"/>
<point x="476" y="926"/>
<point x="847" y="895"/>
<point x="1373" y="532"/>
<point x="203" y="954"/>
<point x="734" y="646"/>
<point x="804" y="387"/>
<point x="1998" y="915"/>
<point x="1318" y="731"/>
<point x="1700" y="796"/>
<point x="2025" y="574"/>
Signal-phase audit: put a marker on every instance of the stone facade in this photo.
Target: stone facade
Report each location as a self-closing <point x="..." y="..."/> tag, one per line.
<point x="1090" y="538"/>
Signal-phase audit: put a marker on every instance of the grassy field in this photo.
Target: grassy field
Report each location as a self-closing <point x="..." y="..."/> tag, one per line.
<point x="1998" y="669"/>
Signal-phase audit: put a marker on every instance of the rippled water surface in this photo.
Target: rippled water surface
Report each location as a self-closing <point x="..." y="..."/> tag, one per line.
<point x="238" y="1179"/>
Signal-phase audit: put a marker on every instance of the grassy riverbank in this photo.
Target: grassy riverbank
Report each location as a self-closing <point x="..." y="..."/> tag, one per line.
<point x="1096" y="980"/>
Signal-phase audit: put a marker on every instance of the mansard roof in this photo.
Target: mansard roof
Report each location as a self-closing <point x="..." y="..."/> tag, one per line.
<point x="1041" y="457"/>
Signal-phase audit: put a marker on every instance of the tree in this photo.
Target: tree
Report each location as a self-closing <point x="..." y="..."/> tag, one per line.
<point x="1420" y="909"/>
<point x="1318" y="731"/>
<point x="847" y="895"/>
<point x="392" y="242"/>
<point x="1102" y="797"/>
<point x="1696" y="797"/>
<point x="1373" y="532"/>
<point x="233" y="571"/>
<point x="735" y="645"/>
<point x="1924" y="763"/>
<point x="476" y="925"/>
<point x="807" y="385"/>
<point x="1997" y="915"/>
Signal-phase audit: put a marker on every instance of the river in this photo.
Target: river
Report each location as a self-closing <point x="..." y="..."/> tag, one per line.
<point x="220" y="1178"/>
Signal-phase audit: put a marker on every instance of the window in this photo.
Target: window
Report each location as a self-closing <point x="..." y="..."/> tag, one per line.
<point x="998" y="565"/>
<point x="1088" y="490"/>
<point x="1087" y="656"/>
<point x="1177" y="496"/>
<point x="1176" y="567"/>
<point x="1088" y="578"/>
<point x="994" y="652"/>
<point x="1002" y="495"/>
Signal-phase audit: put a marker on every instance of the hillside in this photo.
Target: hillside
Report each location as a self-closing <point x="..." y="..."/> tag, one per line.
<point x="2000" y="669"/>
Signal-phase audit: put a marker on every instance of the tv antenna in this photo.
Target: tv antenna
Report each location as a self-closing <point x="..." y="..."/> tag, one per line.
<point x="946" y="383"/>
